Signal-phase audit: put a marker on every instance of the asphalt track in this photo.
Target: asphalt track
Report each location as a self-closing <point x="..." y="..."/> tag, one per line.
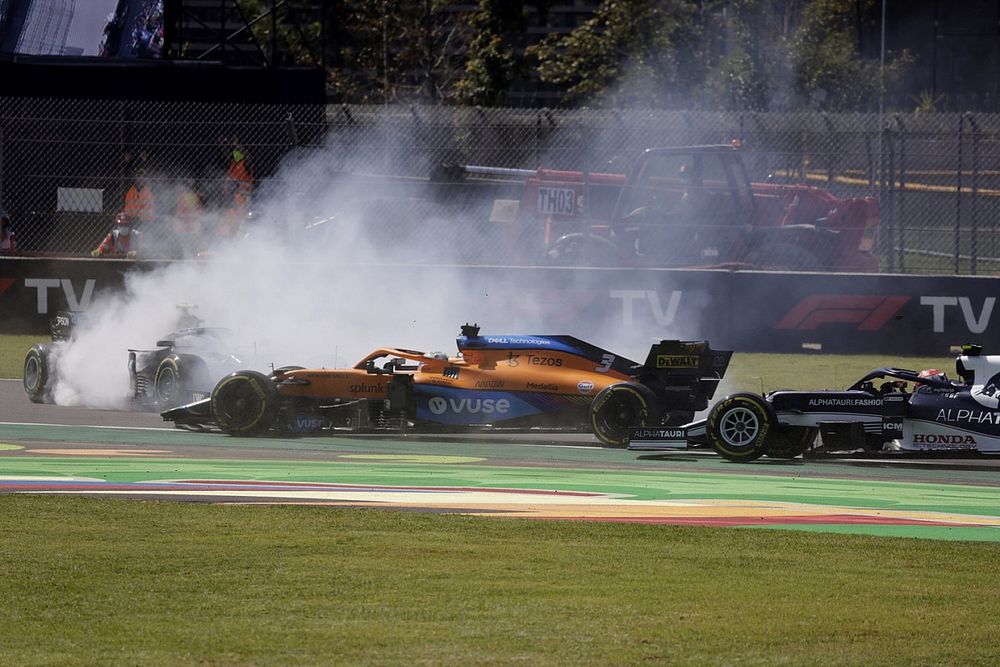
<point x="53" y="449"/>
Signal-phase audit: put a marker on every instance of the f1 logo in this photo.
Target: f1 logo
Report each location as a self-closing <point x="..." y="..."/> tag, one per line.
<point x="869" y="313"/>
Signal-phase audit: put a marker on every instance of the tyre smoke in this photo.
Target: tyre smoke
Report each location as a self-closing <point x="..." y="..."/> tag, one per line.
<point x="321" y="276"/>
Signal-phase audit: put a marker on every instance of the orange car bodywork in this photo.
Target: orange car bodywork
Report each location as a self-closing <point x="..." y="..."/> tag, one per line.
<point x="522" y="380"/>
<point x="508" y="381"/>
<point x="528" y="370"/>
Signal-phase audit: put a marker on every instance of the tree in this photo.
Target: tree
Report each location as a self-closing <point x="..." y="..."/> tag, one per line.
<point x="494" y="58"/>
<point x="748" y="53"/>
<point x="287" y="33"/>
<point x="645" y="51"/>
<point x="828" y="70"/>
<point x="375" y="52"/>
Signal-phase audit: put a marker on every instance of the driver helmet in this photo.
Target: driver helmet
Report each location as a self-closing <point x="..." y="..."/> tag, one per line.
<point x="932" y="373"/>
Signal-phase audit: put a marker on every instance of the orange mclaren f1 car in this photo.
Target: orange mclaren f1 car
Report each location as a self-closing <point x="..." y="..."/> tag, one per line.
<point x="504" y="382"/>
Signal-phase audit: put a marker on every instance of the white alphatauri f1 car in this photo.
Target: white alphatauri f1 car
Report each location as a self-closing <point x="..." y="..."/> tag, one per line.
<point x="908" y="411"/>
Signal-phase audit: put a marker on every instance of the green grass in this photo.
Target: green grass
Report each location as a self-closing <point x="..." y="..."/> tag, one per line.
<point x="12" y="351"/>
<point x="87" y="581"/>
<point x="760" y="372"/>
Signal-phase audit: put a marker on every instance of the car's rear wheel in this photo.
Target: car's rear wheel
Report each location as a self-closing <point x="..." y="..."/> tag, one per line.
<point x="787" y="442"/>
<point x="617" y="408"/>
<point x="740" y="427"/>
<point x="244" y="403"/>
<point x="36" y="374"/>
<point x="167" y="387"/>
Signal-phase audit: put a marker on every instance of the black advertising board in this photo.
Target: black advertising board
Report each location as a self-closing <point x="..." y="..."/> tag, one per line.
<point x="652" y="303"/>
<point x="862" y="313"/>
<point x="32" y="289"/>
<point x="740" y="310"/>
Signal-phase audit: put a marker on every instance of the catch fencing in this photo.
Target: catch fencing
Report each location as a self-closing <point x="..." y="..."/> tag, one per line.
<point x="65" y="166"/>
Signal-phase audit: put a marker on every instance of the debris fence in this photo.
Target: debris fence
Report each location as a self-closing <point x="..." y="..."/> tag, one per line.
<point x="66" y="165"/>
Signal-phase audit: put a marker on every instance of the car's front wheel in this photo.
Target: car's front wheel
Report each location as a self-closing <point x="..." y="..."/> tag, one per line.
<point x="740" y="427"/>
<point x="617" y="408"/>
<point x="244" y="403"/>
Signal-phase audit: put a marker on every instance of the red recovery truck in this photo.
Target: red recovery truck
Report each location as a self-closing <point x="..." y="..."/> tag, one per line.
<point x="691" y="206"/>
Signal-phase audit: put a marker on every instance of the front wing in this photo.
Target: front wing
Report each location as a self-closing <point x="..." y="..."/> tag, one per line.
<point x="663" y="438"/>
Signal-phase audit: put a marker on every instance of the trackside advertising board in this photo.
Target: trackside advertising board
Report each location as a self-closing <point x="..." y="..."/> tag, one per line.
<point x="739" y="310"/>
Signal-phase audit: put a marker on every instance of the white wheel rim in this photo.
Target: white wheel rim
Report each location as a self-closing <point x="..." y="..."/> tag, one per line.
<point x="739" y="426"/>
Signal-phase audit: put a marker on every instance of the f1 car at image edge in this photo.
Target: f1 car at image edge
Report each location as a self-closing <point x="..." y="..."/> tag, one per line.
<point x="496" y="382"/>
<point x="908" y="412"/>
<point x="183" y="367"/>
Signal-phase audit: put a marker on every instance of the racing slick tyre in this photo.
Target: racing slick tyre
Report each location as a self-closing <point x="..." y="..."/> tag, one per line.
<point x="740" y="427"/>
<point x="36" y="374"/>
<point x="787" y="442"/>
<point x="244" y="403"/>
<point x="167" y="384"/>
<point x="174" y="379"/>
<point x="620" y="406"/>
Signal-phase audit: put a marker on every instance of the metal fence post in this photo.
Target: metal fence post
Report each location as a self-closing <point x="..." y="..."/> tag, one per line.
<point x="887" y="180"/>
<point x="899" y="210"/>
<point x="831" y="135"/>
<point x="1" y="167"/>
<point x="958" y="199"/>
<point x="292" y="133"/>
<point x="873" y="166"/>
<point x="974" y="217"/>
<point x="537" y="144"/>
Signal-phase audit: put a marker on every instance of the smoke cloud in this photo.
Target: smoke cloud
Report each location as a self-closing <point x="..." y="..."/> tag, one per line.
<point x="321" y="277"/>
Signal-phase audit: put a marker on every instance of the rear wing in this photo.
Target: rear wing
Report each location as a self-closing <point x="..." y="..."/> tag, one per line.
<point x="686" y="366"/>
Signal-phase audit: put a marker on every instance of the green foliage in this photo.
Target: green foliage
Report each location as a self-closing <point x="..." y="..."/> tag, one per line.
<point x="734" y="84"/>
<point x="829" y="72"/>
<point x="711" y="54"/>
<point x="747" y="47"/>
<point x="927" y="102"/>
<point x="493" y="60"/>
<point x="636" y="48"/>
<point x="363" y="67"/>
<point x="286" y="39"/>
<point x="88" y="581"/>
<point x="376" y="52"/>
